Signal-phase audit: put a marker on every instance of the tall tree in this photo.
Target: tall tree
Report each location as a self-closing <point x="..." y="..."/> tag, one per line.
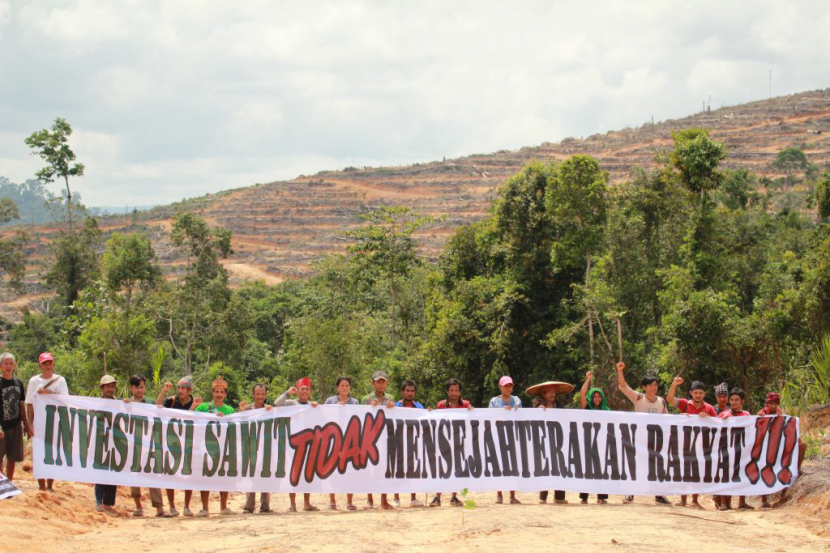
<point x="127" y="262"/>
<point x="76" y="261"/>
<point x="387" y="244"/>
<point x="53" y="147"/>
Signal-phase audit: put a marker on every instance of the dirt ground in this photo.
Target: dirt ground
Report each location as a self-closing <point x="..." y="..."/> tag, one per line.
<point x="36" y="521"/>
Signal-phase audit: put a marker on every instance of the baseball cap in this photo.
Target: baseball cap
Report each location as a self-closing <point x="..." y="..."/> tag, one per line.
<point x="107" y="379"/>
<point x="380" y="375"/>
<point x="44" y="357"/>
<point x="505" y="380"/>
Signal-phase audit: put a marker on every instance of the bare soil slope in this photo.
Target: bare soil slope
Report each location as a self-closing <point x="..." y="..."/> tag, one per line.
<point x="281" y="228"/>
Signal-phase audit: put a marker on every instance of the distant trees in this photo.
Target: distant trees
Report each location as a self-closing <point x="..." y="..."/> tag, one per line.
<point x="790" y="161"/>
<point x="12" y="259"/>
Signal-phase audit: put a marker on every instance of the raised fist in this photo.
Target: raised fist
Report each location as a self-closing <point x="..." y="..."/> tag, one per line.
<point x="620" y="366"/>
<point x="678" y="380"/>
<point x="292" y="391"/>
<point x="589" y="375"/>
<point x="167" y="387"/>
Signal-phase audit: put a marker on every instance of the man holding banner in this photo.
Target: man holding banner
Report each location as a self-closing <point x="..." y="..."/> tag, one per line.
<point x="183" y="401"/>
<point x="219" y="391"/>
<point x="648" y="402"/>
<point x="13" y="423"/>
<point x="105" y="493"/>
<point x="45" y="383"/>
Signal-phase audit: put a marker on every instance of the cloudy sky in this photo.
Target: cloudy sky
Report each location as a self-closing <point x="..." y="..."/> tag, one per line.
<point x="177" y="98"/>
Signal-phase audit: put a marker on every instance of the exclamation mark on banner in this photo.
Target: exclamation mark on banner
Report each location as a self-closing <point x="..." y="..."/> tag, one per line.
<point x="790" y="439"/>
<point x="752" y="471"/>
<point x="775" y="428"/>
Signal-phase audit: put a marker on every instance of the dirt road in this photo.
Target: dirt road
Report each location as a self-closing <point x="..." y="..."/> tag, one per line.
<point x="640" y="527"/>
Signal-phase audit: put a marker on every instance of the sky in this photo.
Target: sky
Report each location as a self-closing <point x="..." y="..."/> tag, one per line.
<point x="175" y="99"/>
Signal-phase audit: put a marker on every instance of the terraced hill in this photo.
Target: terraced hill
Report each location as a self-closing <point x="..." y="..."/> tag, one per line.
<point x="281" y="228"/>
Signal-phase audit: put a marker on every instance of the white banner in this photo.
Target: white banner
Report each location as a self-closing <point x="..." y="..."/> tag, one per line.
<point x="7" y="489"/>
<point x="360" y="449"/>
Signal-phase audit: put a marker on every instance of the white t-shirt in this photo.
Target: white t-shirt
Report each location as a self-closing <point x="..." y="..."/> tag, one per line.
<point x="643" y="405"/>
<point x="37" y="382"/>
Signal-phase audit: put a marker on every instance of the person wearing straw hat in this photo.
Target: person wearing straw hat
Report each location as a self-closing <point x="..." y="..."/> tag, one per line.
<point x="594" y="400"/>
<point x="545" y="398"/>
<point x="105" y="493"/>
<point x="219" y="391"/>
<point x="505" y="400"/>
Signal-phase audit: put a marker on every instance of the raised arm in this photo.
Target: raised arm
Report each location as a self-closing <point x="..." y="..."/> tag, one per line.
<point x="674" y="384"/>
<point x="164" y="389"/>
<point x="624" y="388"/>
<point x="583" y="400"/>
<point x="280" y="401"/>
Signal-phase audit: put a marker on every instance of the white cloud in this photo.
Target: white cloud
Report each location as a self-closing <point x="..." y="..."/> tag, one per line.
<point x="173" y="99"/>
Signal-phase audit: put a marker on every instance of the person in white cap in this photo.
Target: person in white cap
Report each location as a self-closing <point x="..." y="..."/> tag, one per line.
<point x="506" y="400"/>
<point x="47" y="382"/>
<point x="105" y="493"/>
<point x="379" y="398"/>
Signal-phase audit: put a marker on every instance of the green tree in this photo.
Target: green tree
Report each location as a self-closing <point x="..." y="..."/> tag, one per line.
<point x="75" y="263"/>
<point x="790" y="161"/>
<point x="822" y="197"/>
<point x="53" y="147"/>
<point x="696" y="158"/>
<point x="120" y="344"/>
<point x="387" y="244"/>
<point x="127" y="263"/>
<point x="188" y="310"/>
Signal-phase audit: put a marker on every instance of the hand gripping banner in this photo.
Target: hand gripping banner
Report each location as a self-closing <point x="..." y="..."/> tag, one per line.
<point x="361" y="449"/>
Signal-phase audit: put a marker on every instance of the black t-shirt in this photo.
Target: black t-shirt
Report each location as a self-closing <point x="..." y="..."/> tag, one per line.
<point x="11" y="394"/>
<point x="173" y="403"/>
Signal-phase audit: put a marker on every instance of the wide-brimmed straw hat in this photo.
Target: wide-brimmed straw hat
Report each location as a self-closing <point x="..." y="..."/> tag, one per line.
<point x="559" y="387"/>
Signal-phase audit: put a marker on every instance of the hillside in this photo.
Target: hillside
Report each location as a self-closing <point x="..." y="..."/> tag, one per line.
<point x="281" y="228"/>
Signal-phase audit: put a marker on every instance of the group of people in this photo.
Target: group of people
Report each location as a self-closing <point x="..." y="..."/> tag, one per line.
<point x="18" y="419"/>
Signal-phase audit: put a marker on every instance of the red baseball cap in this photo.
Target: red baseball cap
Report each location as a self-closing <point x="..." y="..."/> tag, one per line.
<point x="44" y="357"/>
<point x="304" y="381"/>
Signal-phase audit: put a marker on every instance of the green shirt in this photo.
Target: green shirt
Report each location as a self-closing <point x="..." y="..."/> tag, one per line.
<point x="225" y="409"/>
<point x="367" y="400"/>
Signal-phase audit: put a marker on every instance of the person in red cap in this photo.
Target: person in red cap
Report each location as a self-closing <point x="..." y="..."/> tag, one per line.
<point x="506" y="400"/>
<point x="772" y="408"/>
<point x="47" y="382"/>
<point x="303" y="392"/>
